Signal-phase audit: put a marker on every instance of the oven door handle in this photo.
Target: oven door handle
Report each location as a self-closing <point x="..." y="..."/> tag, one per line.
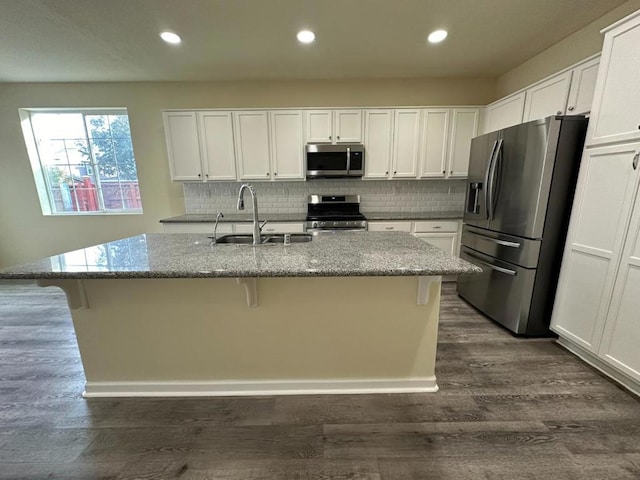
<point x="348" y="159"/>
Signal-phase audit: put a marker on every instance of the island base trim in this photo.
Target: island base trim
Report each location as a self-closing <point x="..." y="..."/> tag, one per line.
<point x="254" y="388"/>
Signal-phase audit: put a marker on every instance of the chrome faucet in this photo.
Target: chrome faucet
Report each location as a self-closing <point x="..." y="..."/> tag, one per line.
<point x="257" y="228"/>
<point x="215" y="227"/>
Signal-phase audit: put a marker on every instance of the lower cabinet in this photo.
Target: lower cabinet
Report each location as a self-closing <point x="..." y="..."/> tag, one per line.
<point x="439" y="233"/>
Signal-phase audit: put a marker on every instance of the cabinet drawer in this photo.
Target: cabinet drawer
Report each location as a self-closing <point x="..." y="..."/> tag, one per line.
<point x="293" y="227"/>
<point x="436" y="226"/>
<point x="223" y="228"/>
<point x="444" y="241"/>
<point x="389" y="226"/>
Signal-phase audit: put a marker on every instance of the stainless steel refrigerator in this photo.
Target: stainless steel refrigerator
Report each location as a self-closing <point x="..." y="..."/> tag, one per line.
<point x="518" y="201"/>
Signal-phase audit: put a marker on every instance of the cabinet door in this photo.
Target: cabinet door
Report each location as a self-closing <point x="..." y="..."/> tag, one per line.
<point x="286" y="145"/>
<point x="621" y="338"/>
<point x="348" y="126"/>
<point x="505" y="113"/>
<point x="583" y="84"/>
<point x="378" y="134"/>
<point x="444" y="241"/>
<point x="406" y="143"/>
<point x="435" y="140"/>
<point x="599" y="219"/>
<point x="547" y="98"/>
<point x="464" y="127"/>
<point x="615" y="116"/>
<point x="216" y="145"/>
<point x="252" y="145"/>
<point x="183" y="150"/>
<point x="389" y="226"/>
<point x="318" y="126"/>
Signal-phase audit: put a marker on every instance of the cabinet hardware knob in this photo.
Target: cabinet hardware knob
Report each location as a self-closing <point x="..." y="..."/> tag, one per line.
<point x="338" y="137"/>
<point x="330" y="137"/>
<point x="395" y="172"/>
<point x="571" y="108"/>
<point x="444" y="171"/>
<point x="267" y="174"/>
<point x="559" y="112"/>
<point x="275" y="174"/>
<point x="386" y="173"/>
<point x="451" y="172"/>
<point x="199" y="175"/>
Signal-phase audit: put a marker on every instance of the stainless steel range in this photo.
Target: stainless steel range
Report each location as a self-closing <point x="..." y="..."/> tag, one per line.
<point x="327" y="213"/>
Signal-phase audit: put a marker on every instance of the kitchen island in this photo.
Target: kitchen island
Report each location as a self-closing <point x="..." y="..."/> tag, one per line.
<point x="171" y="314"/>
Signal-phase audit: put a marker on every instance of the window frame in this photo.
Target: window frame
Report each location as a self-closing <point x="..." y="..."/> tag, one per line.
<point x="42" y="180"/>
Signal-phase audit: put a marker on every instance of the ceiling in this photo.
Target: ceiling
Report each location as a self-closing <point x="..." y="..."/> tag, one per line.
<point x="117" y="40"/>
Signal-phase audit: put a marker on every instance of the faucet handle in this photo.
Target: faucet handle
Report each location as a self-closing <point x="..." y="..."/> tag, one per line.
<point x="263" y="224"/>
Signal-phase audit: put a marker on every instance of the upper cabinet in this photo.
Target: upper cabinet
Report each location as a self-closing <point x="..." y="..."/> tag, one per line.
<point x="446" y="141"/>
<point x="200" y="145"/>
<point x="252" y="145"/>
<point x="569" y="92"/>
<point x="333" y="126"/>
<point x="547" y="98"/>
<point x="287" y="147"/>
<point x="504" y="113"/>
<point x="583" y="84"/>
<point x="378" y="142"/>
<point x="615" y="116"/>
<point x="406" y="144"/>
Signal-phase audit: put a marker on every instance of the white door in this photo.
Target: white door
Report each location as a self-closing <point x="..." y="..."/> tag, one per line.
<point x="216" y="145"/>
<point x="505" y="113"/>
<point x="378" y="136"/>
<point x="435" y="142"/>
<point x="583" y="84"/>
<point x="621" y="338"/>
<point x="599" y="219"/>
<point x="183" y="150"/>
<point x="348" y="126"/>
<point x="318" y="126"/>
<point x="464" y="126"/>
<point x="286" y="144"/>
<point x="444" y="241"/>
<point x="252" y="145"/>
<point x="547" y="98"/>
<point x="615" y="116"/>
<point x="406" y="143"/>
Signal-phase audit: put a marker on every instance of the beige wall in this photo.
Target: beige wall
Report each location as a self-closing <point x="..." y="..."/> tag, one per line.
<point x="25" y="234"/>
<point x="582" y="44"/>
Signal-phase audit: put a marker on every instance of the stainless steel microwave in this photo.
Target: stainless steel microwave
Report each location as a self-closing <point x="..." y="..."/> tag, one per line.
<point x="334" y="161"/>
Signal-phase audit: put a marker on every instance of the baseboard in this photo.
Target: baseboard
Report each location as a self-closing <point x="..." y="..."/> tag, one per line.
<point x="588" y="357"/>
<point x="242" y="388"/>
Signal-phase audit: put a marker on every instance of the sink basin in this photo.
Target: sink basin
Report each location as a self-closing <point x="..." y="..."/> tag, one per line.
<point x="264" y="239"/>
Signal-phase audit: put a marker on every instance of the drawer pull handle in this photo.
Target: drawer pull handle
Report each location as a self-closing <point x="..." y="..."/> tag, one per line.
<point x="437" y="227"/>
<point x="493" y="267"/>
<point x="504" y="243"/>
<point x="388" y="228"/>
<point x="635" y="160"/>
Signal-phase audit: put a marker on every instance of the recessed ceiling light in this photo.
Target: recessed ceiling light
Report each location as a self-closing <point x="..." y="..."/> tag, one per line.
<point x="170" y="37"/>
<point x="306" y="36"/>
<point x="437" y="36"/>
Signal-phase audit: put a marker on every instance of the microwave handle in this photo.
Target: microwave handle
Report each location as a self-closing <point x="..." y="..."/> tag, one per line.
<point x="348" y="159"/>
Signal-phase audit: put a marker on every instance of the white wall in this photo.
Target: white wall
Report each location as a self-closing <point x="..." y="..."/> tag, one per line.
<point x="25" y="234"/>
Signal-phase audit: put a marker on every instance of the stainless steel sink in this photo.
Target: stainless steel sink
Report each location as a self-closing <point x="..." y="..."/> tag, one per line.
<point x="265" y="239"/>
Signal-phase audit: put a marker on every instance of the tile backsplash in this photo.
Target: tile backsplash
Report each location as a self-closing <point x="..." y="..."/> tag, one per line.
<point x="291" y="197"/>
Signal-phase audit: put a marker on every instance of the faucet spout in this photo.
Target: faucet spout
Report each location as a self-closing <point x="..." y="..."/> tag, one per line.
<point x="254" y="201"/>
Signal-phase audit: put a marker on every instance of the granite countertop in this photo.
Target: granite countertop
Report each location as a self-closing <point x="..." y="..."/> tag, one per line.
<point x="180" y="255"/>
<point x="301" y="217"/>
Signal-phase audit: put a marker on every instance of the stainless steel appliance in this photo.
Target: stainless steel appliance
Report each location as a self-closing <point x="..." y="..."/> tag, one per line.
<point x="334" y="161"/>
<point x="519" y="195"/>
<point x="330" y="213"/>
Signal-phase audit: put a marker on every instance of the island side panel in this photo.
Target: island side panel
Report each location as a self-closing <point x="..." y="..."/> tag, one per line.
<point x="160" y="331"/>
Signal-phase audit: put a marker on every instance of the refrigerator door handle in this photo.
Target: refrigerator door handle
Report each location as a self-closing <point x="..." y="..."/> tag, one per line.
<point x="513" y="273"/>
<point x="491" y="179"/>
<point x="504" y="243"/>
<point x="486" y="177"/>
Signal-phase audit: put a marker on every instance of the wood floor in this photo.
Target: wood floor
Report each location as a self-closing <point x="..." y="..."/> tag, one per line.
<point x="508" y="408"/>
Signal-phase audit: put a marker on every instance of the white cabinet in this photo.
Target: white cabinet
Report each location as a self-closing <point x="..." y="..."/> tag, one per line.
<point x="252" y="145"/>
<point x="333" y="126"/>
<point x="615" y="116"/>
<point x="406" y="143"/>
<point x="446" y="141"/>
<point x="547" y="98"/>
<point x="464" y="126"/>
<point x="444" y="241"/>
<point x="378" y="142"/>
<point x="181" y="134"/>
<point x="200" y="145"/>
<point x="583" y="84"/>
<point x="441" y="234"/>
<point x="435" y="142"/>
<point x="393" y="226"/>
<point x="504" y="113"/>
<point x="216" y="145"/>
<point x="287" y="146"/>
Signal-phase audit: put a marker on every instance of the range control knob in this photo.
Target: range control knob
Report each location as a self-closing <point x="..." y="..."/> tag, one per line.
<point x="335" y="224"/>
<point x="314" y="224"/>
<point x="323" y="224"/>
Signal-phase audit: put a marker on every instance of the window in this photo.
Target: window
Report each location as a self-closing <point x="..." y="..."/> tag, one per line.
<point x="82" y="161"/>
